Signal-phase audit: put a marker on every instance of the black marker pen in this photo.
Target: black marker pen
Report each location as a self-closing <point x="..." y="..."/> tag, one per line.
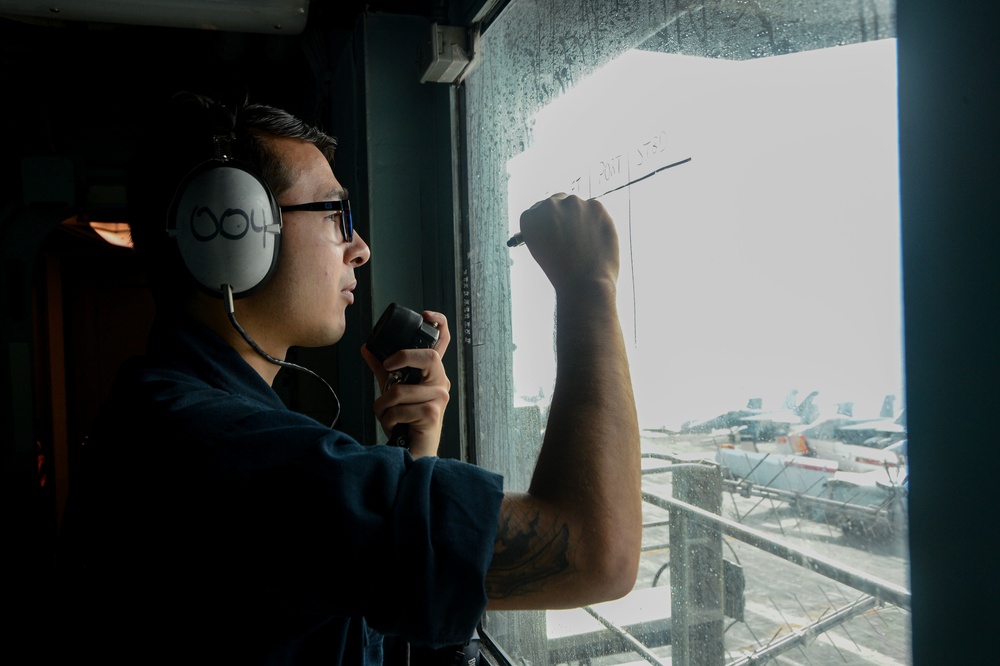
<point x="515" y="240"/>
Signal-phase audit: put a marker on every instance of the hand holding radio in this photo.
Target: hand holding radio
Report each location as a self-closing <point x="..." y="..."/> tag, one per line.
<point x="404" y="352"/>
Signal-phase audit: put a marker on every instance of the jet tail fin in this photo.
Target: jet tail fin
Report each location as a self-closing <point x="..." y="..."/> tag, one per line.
<point x="806" y="410"/>
<point x="888" y="407"/>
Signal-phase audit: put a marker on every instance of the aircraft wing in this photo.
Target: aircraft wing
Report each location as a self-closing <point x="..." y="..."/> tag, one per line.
<point x="885" y="425"/>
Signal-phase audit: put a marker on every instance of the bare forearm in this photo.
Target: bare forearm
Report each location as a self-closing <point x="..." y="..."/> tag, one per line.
<point x="590" y="456"/>
<point x="582" y="515"/>
<point x="592" y="433"/>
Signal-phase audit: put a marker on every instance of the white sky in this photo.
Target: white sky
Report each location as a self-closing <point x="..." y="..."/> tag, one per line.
<point x="769" y="262"/>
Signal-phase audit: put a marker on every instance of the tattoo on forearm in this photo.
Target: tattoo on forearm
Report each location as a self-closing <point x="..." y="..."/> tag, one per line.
<point x="529" y="554"/>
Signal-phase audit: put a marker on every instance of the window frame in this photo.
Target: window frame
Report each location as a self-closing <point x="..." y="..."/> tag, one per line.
<point x="908" y="60"/>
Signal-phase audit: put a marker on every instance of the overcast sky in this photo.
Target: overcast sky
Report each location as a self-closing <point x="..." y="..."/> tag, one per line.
<point x="768" y="262"/>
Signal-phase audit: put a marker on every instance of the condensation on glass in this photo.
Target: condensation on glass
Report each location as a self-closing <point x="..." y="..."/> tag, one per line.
<point x="748" y="153"/>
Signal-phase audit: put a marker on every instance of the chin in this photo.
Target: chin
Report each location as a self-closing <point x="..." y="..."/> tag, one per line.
<point x="334" y="334"/>
<point x="324" y="336"/>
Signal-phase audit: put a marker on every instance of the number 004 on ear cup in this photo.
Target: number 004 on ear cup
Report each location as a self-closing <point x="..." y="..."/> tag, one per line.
<point x="228" y="227"/>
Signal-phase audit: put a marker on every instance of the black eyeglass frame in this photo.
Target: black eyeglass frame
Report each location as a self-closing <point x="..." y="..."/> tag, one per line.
<point x="343" y="205"/>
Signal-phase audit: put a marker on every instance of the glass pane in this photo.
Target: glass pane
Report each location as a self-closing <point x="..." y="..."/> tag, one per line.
<point x="748" y="153"/>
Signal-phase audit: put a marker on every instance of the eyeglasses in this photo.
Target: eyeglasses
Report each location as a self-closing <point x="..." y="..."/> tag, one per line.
<point x="343" y="205"/>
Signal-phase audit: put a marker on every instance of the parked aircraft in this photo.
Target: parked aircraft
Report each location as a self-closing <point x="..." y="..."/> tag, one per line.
<point x="768" y="425"/>
<point x="757" y="423"/>
<point x="857" y="444"/>
<point x="844" y="419"/>
<point x="730" y="419"/>
<point x="852" y="469"/>
<point x="871" y="502"/>
<point x="880" y="433"/>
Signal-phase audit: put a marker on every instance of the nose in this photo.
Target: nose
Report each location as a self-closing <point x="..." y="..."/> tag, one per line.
<point x="358" y="253"/>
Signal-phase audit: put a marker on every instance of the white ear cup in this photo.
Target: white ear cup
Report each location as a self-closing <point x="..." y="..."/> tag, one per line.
<point x="228" y="227"/>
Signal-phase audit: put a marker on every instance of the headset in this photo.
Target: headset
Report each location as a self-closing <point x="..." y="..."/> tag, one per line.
<point x="225" y="219"/>
<point x="227" y="225"/>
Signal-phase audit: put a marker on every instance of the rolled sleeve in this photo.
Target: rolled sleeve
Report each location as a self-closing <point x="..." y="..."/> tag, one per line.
<point x="443" y="524"/>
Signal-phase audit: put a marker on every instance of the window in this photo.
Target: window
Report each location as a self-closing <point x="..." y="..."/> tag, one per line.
<point x="748" y="153"/>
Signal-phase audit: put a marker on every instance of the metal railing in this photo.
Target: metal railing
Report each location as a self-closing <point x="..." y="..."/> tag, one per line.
<point x="875" y="591"/>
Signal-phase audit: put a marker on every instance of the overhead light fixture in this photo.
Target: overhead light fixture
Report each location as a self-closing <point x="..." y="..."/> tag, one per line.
<point x="286" y="17"/>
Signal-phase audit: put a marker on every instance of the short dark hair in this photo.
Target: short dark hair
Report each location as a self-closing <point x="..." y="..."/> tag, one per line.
<point x="183" y="135"/>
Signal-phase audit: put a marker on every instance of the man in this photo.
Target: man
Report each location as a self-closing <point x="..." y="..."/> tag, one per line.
<point x="213" y="525"/>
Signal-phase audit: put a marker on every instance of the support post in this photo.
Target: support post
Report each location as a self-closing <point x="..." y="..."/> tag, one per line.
<point x="696" y="575"/>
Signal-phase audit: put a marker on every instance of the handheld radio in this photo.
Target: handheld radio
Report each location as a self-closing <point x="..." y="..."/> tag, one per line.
<point x="400" y="328"/>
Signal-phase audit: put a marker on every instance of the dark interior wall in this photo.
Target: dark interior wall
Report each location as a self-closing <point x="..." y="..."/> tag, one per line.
<point x="949" y="101"/>
<point x="412" y="216"/>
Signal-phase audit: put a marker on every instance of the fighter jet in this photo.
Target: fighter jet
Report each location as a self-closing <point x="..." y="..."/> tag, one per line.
<point x="857" y="444"/>
<point x="730" y="419"/>
<point x="768" y="425"/>
<point x="758" y="423"/>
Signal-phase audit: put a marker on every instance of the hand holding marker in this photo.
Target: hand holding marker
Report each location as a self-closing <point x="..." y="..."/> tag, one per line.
<point x="517" y="239"/>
